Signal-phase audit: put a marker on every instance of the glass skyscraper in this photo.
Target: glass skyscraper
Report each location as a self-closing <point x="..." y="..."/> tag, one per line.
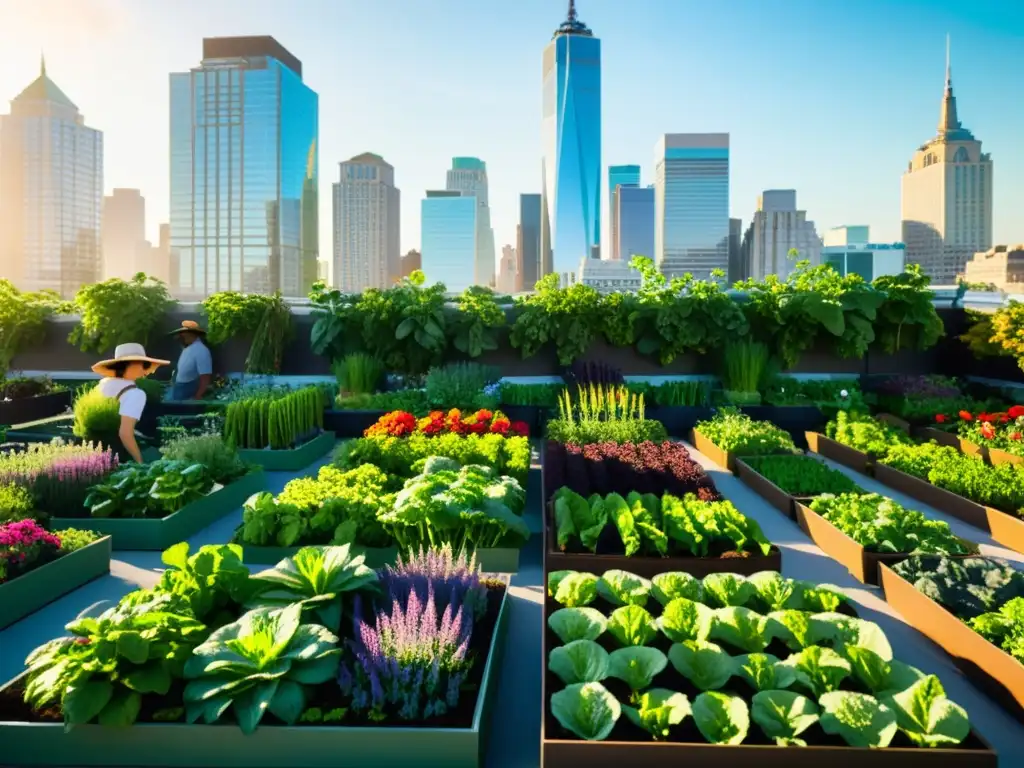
<point x="571" y="128"/>
<point x="618" y="175"/>
<point x="51" y="192"/>
<point x="468" y="175"/>
<point x="448" y="238"/>
<point x="691" y="203"/>
<point x="635" y="215"/>
<point x="530" y="267"/>
<point x="244" y="171"/>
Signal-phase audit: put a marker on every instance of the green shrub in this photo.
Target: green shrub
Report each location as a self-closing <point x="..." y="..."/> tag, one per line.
<point x="15" y="503"/>
<point x="220" y="459"/>
<point x="864" y="433"/>
<point x="72" y="539"/>
<point x="97" y="417"/>
<point x="358" y="374"/>
<point x="461" y="385"/>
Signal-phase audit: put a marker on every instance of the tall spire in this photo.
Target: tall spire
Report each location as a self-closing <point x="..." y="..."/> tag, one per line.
<point x="948" y="122"/>
<point x="571" y="15"/>
<point x="572" y="24"/>
<point x="42" y="64"/>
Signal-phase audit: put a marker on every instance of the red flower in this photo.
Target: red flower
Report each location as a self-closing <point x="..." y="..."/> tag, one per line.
<point x="520" y="428"/>
<point x="966" y="416"/>
<point x="394" y="424"/>
<point x="1003" y="418"/>
<point x="988" y="431"/>
<point x="500" y="426"/>
<point x="1015" y="435"/>
<point x="940" y="418"/>
<point x="986" y="418"/>
<point x="483" y="415"/>
<point x="1016" y="411"/>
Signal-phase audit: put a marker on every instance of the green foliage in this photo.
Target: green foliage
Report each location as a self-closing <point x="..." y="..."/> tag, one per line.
<point x="544" y="395"/>
<point x="907" y="318"/>
<point x="158" y="489"/>
<point x="117" y="312"/>
<point x="968" y="587"/>
<point x="981" y="330"/>
<point x="270" y="337"/>
<point x="357" y="374"/>
<point x="864" y="433"/>
<point x="673" y="394"/>
<point x="740" y="435"/>
<point x="276" y="420"/>
<point x="220" y="459"/>
<point x="16" y="503"/>
<point x="264" y="319"/>
<point x="97" y="416"/>
<point x="461" y="385"/>
<point x="22" y="320"/>
<point x="829" y="394"/>
<point x="474" y="328"/>
<point x="880" y="524"/>
<point x="800" y="475"/>
<point x="745" y="366"/>
<point x="72" y="539"/>
<point x="565" y="317"/>
<point x="603" y="414"/>
<point x="413" y="401"/>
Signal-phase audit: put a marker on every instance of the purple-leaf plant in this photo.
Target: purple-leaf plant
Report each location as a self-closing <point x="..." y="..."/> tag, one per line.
<point x="454" y="578"/>
<point x="410" y="662"/>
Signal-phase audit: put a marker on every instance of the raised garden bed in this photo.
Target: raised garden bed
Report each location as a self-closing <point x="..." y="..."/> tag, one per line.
<point x="991" y="668"/>
<point x="177" y="745"/>
<point x="345" y="423"/>
<point x="842" y="454"/>
<point x="722" y="458"/>
<point x="291" y="459"/>
<point x="157" y="534"/>
<point x="1004" y="528"/>
<point x="31" y="591"/>
<point x="27" y="409"/>
<point x="490" y="560"/>
<point x="766" y="489"/>
<point x="795" y="419"/>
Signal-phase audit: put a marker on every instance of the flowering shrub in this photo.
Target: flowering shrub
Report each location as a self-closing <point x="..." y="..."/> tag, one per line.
<point x="1004" y="430"/>
<point x="65" y="483"/>
<point x="25" y="545"/>
<point x="403" y="424"/>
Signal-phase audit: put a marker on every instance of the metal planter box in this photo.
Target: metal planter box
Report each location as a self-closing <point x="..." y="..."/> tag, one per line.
<point x="290" y="459"/>
<point x="26" y="409"/>
<point x="842" y="454"/>
<point x="157" y="534"/>
<point x="177" y="745"/>
<point x="490" y="560"/>
<point x="37" y="588"/>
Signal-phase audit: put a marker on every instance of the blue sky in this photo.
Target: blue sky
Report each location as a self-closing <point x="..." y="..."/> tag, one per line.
<point x="828" y="97"/>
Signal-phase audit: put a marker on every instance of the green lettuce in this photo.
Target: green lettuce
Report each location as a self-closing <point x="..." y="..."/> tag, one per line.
<point x="721" y="718"/>
<point x="587" y="710"/>
<point x="581" y="661"/>
<point x="783" y="716"/>
<point x="657" y="711"/>
<point x="577" y="624"/>
<point x="632" y="625"/>
<point x="704" y="664"/>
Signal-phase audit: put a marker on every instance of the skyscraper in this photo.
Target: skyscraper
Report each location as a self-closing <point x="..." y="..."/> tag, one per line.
<point x="244" y="171"/>
<point x="737" y="268"/>
<point x="528" y="241"/>
<point x="468" y="175"/>
<point x="123" y="234"/>
<point x="691" y="199"/>
<point x="635" y="216"/>
<point x="947" y="196"/>
<point x="448" y="238"/>
<point x="627" y="176"/>
<point x="507" y="281"/>
<point x="776" y="228"/>
<point x="367" y="216"/>
<point x="51" y="192"/>
<point x="571" y="129"/>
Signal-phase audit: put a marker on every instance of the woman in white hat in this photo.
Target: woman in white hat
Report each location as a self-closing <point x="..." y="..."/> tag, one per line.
<point x="129" y="364"/>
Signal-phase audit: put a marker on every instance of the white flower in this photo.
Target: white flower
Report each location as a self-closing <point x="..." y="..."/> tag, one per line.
<point x="844" y="393"/>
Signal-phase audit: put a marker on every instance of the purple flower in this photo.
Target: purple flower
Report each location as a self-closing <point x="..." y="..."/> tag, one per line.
<point x="454" y="578"/>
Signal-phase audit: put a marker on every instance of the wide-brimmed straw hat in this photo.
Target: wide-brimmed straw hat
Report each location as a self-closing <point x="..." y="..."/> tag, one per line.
<point x="189" y="326"/>
<point x="126" y="353"/>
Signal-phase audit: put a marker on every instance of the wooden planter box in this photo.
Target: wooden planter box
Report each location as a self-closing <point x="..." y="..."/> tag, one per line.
<point x="998" y="456"/>
<point x="862" y="564"/>
<point x="28" y="593"/>
<point x="290" y="459"/>
<point x="722" y="458"/>
<point x="1004" y="528"/>
<point x="157" y="534"/>
<point x="177" y="745"/>
<point x="991" y="668"/>
<point x="837" y="452"/>
<point x="27" y="409"/>
<point x="490" y="560"/>
<point x="766" y="489"/>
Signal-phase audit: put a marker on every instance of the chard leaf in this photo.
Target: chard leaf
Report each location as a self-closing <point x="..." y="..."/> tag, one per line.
<point x="722" y="590"/>
<point x="573" y="589"/>
<point x="819" y="669"/>
<point x="581" y="661"/>
<point x="568" y="508"/>
<point x="721" y="718"/>
<point x="587" y="710"/>
<point x="632" y="625"/>
<point x="764" y="672"/>
<point x="861" y="720"/>
<point x="741" y="628"/>
<point x="666" y="587"/>
<point x="927" y="717"/>
<point x="658" y="710"/>
<point x="577" y="624"/>
<point x="704" y="664"/>
<point x="773" y="590"/>
<point x="685" y="619"/>
<point x="637" y="667"/>
<point x="783" y="716"/>
<point x="623" y="588"/>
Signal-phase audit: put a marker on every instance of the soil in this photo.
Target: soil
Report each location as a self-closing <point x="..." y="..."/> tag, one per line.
<point x="687" y="731"/>
<point x="326" y="696"/>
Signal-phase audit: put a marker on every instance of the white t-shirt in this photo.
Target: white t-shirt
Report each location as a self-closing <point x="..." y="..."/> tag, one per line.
<point x="132" y="403"/>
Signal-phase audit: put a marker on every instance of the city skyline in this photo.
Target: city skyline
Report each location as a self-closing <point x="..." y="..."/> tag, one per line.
<point x="843" y="173"/>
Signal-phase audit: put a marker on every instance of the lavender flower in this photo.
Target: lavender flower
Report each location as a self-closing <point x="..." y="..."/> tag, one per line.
<point x="454" y="579"/>
<point x="409" y="663"/>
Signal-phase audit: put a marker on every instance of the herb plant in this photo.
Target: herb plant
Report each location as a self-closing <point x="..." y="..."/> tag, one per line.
<point x="864" y="433"/>
<point x="603" y="414"/>
<point x="357" y="374"/>
<point x="800" y="475"/>
<point x="118" y="311"/>
<point x="740" y="435"/>
<point x="149" y="490"/>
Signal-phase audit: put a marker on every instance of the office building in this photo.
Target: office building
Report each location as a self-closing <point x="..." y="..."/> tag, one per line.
<point x="155" y="260"/>
<point x="367" y="217"/>
<point x="123" y="232"/>
<point x="244" y="171"/>
<point x="609" y="275"/>
<point x="468" y="175"/>
<point x="776" y="229"/>
<point x="528" y="242"/>
<point x="411" y="262"/>
<point x="634" y="217"/>
<point x="849" y="250"/>
<point x="51" y="192"/>
<point x="448" y="238"/>
<point x="618" y="175"/>
<point x="947" y="196"/>
<point x="507" y="281"/>
<point x="1001" y="266"/>
<point x="737" y="266"/>
<point x="691" y="204"/>
<point x="571" y="131"/>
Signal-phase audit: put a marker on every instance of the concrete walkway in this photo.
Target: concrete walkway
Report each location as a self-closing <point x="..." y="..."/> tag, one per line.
<point x="515" y="726"/>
